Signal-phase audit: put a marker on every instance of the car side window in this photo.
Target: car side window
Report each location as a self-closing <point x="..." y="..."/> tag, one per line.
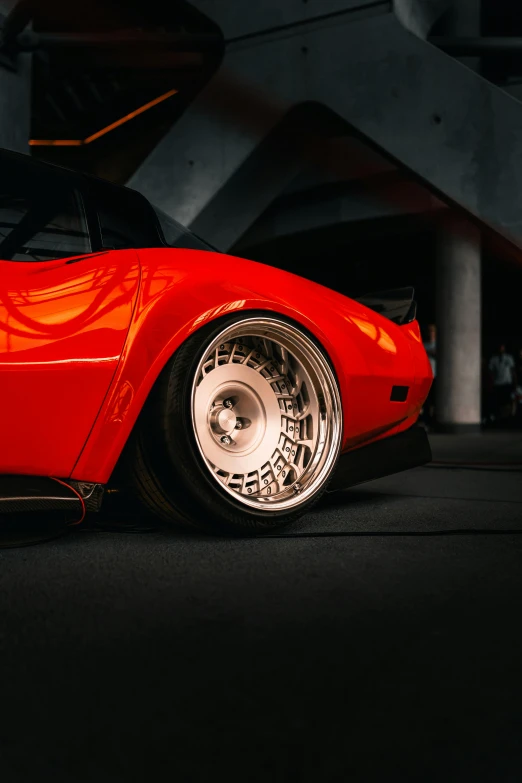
<point x="41" y="219"/>
<point x="125" y="220"/>
<point x="12" y="210"/>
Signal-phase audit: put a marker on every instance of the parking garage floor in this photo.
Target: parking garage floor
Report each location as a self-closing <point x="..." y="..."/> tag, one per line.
<point x="377" y="639"/>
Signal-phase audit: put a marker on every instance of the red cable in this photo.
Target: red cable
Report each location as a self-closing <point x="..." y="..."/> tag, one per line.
<point x="82" y="501"/>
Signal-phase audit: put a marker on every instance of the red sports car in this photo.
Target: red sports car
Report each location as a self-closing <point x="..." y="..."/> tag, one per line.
<point x="219" y="391"/>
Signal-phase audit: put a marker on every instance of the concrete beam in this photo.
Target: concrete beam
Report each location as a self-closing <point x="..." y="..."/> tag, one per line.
<point x="419" y="17"/>
<point x="238" y="121"/>
<point x="340" y="203"/>
<point x="453" y="130"/>
<point x="241" y="19"/>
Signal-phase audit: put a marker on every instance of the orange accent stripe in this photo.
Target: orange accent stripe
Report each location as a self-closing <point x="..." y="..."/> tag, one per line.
<point x="103" y="131"/>
<point x="130" y="116"/>
<point x="55" y="142"/>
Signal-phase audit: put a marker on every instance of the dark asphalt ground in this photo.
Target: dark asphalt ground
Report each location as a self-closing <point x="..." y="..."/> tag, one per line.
<point x="383" y="644"/>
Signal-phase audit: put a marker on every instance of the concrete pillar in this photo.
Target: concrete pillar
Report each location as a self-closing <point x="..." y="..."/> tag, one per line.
<point x="458" y="389"/>
<point x="459" y="340"/>
<point x="15" y="99"/>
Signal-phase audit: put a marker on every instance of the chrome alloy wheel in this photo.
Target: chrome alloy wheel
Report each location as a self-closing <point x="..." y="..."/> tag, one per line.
<point x="266" y="413"/>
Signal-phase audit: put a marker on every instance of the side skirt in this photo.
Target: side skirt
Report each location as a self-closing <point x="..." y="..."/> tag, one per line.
<point x="391" y="455"/>
<point x="36" y="493"/>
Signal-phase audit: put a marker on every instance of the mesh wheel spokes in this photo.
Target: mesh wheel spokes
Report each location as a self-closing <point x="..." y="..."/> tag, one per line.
<point x="266" y="413"/>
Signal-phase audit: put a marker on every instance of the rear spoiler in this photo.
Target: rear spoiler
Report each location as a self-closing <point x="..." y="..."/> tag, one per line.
<point x="397" y="304"/>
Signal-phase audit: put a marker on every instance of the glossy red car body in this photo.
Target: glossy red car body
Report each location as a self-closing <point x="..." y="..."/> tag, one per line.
<point x="83" y="340"/>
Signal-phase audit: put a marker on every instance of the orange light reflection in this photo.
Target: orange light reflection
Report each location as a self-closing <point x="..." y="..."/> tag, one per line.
<point x="103" y="131"/>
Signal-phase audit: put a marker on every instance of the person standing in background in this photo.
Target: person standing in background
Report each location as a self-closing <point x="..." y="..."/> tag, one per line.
<point x="517" y="394"/>
<point x="502" y="369"/>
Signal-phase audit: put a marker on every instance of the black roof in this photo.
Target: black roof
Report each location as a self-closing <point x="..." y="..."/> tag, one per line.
<point x="78" y="177"/>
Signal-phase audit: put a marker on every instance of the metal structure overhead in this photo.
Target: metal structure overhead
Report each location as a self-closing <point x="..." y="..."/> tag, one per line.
<point x="88" y="72"/>
<point x="456" y="132"/>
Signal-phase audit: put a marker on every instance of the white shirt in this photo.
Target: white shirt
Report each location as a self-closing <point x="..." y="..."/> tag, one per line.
<point x="501" y="366"/>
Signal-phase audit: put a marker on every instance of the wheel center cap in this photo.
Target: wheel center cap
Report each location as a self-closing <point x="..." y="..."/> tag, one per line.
<point x="255" y="408"/>
<point x="226" y="420"/>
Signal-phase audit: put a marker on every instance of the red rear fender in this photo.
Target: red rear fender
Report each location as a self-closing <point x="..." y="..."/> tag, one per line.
<point x="182" y="290"/>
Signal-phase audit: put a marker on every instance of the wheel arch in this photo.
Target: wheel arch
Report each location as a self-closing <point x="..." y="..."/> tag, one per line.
<point x="142" y="365"/>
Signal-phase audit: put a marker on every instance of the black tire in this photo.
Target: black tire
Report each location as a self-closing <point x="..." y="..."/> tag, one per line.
<point x="167" y="470"/>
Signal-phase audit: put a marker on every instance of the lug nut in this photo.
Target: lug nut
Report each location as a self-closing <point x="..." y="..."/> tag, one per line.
<point x="239" y="425"/>
<point x="226" y="440"/>
<point x="227" y="403"/>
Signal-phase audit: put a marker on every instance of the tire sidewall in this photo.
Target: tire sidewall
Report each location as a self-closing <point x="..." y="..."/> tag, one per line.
<point x="200" y="491"/>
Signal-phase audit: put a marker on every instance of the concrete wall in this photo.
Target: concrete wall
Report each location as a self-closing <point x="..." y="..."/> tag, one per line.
<point x="15" y="99"/>
<point x="441" y="121"/>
